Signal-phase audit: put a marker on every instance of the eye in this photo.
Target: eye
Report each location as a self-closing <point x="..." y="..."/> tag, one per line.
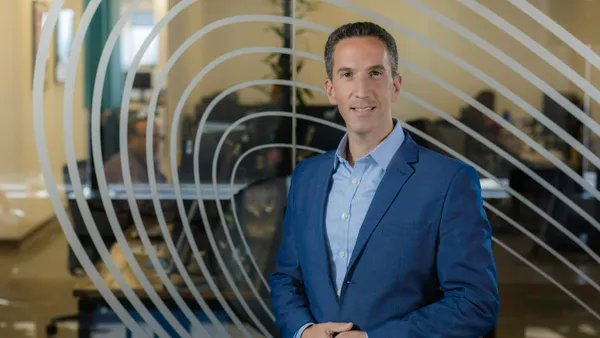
<point x="346" y="74"/>
<point x="376" y="73"/>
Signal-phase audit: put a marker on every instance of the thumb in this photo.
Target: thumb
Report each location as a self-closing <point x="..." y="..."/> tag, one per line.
<point x="340" y="327"/>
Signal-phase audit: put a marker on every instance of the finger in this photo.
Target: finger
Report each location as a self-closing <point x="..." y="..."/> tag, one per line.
<point x="339" y="327"/>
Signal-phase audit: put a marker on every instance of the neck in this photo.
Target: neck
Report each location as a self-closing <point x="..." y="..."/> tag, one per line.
<point x="360" y="145"/>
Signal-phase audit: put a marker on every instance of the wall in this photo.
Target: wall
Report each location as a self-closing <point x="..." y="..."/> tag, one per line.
<point x="17" y="134"/>
<point x="574" y="15"/>
<point x="581" y="21"/>
<point x="243" y="35"/>
<point x="10" y="110"/>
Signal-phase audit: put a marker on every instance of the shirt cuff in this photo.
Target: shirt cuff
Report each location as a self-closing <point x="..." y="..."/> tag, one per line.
<point x="301" y="330"/>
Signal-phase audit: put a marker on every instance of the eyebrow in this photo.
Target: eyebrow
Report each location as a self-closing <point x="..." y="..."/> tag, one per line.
<point x="348" y="69"/>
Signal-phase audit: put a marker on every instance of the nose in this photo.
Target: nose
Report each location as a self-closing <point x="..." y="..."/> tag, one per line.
<point x="362" y="88"/>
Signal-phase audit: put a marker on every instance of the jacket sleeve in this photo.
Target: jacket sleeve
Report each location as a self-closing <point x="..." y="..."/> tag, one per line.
<point x="290" y="305"/>
<point x="465" y="268"/>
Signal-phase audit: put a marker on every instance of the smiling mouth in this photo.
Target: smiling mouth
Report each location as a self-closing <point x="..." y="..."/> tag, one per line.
<point x="362" y="109"/>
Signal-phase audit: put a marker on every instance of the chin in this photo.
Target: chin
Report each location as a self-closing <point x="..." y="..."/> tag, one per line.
<point x="361" y="127"/>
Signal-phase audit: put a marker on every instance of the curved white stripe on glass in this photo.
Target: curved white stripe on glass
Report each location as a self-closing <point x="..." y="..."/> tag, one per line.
<point x="545" y="275"/>
<point x="533" y="46"/>
<point x="585" y="152"/>
<point x="152" y="183"/>
<point x="101" y="177"/>
<point x="234" y="208"/>
<point x="216" y="156"/>
<point x="42" y="152"/>
<point x="456" y="123"/>
<point x="558" y="31"/>
<point x="520" y="197"/>
<point x="515" y="131"/>
<point x="511" y="63"/>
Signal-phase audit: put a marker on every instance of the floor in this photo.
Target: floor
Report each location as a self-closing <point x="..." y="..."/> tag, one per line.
<point x="35" y="286"/>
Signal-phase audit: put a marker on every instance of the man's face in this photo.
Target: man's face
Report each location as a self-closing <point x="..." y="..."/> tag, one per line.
<point x="138" y="142"/>
<point x="362" y="85"/>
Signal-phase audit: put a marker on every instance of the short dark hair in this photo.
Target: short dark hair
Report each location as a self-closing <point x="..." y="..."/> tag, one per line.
<point x="132" y="124"/>
<point x="360" y="29"/>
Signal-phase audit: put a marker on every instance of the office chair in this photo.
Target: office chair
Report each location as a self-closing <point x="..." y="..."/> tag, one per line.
<point x="73" y="263"/>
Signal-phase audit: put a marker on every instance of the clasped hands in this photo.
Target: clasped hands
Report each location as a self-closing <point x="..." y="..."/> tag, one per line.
<point x="329" y="330"/>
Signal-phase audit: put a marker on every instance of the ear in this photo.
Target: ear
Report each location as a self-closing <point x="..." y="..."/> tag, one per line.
<point x="330" y="91"/>
<point x="397" y="81"/>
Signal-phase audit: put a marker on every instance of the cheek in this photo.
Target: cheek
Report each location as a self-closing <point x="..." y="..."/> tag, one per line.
<point x="341" y="93"/>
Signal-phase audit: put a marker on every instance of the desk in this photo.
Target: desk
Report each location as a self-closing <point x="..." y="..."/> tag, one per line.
<point x="165" y="191"/>
<point x="142" y="192"/>
<point x="93" y="313"/>
<point x="492" y="190"/>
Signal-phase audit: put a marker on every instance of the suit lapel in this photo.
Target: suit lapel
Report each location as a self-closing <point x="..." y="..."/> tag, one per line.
<point x="397" y="173"/>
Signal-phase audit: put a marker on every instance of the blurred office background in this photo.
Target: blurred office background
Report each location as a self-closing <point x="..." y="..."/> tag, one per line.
<point x="510" y="86"/>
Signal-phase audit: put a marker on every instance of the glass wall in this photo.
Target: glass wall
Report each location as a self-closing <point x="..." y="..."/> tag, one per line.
<point x="148" y="147"/>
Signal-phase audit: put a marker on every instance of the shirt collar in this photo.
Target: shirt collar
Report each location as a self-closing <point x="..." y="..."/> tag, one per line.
<point x="382" y="154"/>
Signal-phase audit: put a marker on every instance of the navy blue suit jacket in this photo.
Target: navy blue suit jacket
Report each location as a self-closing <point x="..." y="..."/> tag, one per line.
<point x="422" y="265"/>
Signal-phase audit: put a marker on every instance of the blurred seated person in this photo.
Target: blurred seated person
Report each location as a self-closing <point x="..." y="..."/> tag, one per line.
<point x="138" y="168"/>
<point x="136" y="144"/>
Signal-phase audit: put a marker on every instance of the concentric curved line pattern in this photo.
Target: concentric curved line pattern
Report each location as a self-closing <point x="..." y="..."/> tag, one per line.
<point x="437" y="112"/>
<point x="545" y="275"/>
<point x="174" y="131"/>
<point x="152" y="183"/>
<point x="165" y="71"/>
<point x="558" y="31"/>
<point x="205" y="70"/>
<point x="40" y="141"/>
<point x="483" y="77"/>
<point x="201" y="206"/>
<point x="511" y="159"/>
<point x="533" y="46"/>
<point x="216" y="190"/>
<point x="233" y="206"/>
<point x="512" y="192"/>
<point x="206" y="113"/>
<point x="429" y="139"/>
<point x="103" y="188"/>
<point x="184" y="97"/>
<point x="258" y="82"/>
<point x="486" y="111"/>
<point x="515" y="131"/>
<point x="76" y="180"/>
<point x="445" y="148"/>
<point x="510" y="62"/>
<point x="457" y="124"/>
<point x="499" y="213"/>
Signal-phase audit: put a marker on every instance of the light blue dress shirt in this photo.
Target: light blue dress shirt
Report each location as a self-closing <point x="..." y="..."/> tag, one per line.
<point x="350" y="196"/>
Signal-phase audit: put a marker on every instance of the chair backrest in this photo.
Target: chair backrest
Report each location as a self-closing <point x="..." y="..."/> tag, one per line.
<point x="81" y="171"/>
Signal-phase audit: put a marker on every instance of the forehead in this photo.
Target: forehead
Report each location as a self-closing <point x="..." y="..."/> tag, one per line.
<point x="360" y="52"/>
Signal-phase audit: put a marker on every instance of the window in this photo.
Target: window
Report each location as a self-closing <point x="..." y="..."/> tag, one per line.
<point x="132" y="37"/>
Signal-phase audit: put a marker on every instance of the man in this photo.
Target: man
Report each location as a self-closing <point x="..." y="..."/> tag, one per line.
<point x="136" y="144"/>
<point x="138" y="168"/>
<point x="382" y="238"/>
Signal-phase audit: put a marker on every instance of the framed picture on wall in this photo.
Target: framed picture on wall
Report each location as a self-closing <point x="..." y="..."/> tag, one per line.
<point x="39" y="15"/>
<point x="63" y="41"/>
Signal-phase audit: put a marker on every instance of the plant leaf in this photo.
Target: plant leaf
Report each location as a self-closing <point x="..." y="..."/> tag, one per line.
<point x="309" y="92"/>
<point x="299" y="65"/>
<point x="300" y="99"/>
<point x="278" y="31"/>
<point x="275" y="69"/>
<point x="269" y="57"/>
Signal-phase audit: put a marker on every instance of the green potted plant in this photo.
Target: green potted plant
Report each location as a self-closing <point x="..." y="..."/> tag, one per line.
<point x="280" y="64"/>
